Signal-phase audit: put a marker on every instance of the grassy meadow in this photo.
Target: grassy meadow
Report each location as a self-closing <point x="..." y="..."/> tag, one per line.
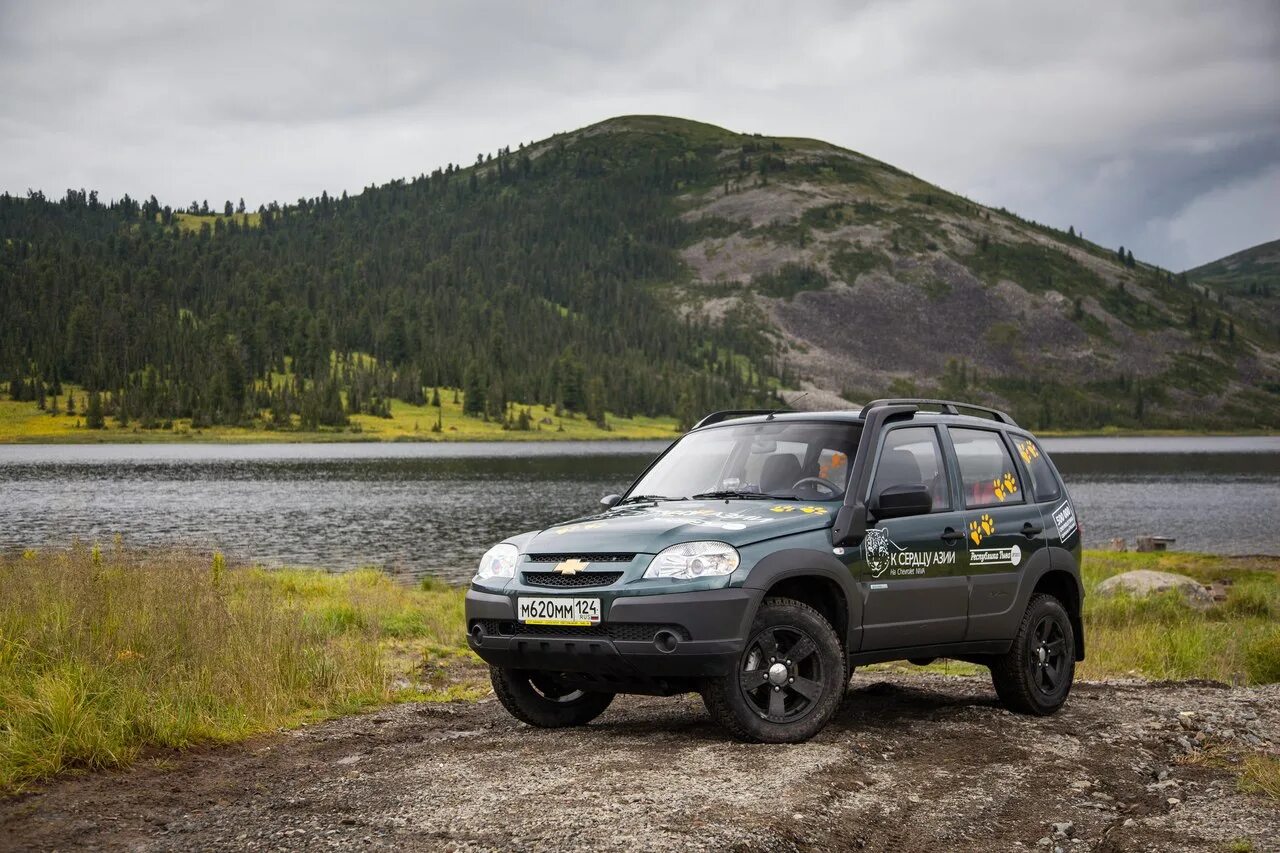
<point x="24" y="422"/>
<point x="106" y="652"/>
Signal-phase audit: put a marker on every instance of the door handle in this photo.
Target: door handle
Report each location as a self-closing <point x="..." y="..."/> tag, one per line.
<point x="951" y="535"/>
<point x="1031" y="531"/>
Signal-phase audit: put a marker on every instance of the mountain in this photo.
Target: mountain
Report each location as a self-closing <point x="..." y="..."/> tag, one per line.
<point x="1248" y="281"/>
<point x="644" y="265"/>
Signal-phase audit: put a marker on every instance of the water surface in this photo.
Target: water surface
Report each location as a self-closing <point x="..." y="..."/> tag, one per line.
<point x="434" y="508"/>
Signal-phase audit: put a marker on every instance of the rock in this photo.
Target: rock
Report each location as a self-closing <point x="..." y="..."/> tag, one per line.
<point x="1143" y="582"/>
<point x="1063" y="829"/>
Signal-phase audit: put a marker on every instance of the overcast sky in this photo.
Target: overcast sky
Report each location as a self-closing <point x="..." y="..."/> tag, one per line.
<point x="1155" y="125"/>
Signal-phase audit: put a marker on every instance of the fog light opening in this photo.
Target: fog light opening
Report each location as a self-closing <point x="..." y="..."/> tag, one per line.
<point x="666" y="641"/>
<point x="477" y="632"/>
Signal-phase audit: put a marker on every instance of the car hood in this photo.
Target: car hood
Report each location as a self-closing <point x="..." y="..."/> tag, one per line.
<point x="649" y="528"/>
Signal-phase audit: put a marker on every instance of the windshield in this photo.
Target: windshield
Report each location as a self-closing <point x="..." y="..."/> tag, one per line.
<point x="779" y="460"/>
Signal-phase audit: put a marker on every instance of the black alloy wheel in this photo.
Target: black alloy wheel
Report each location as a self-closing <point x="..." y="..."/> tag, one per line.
<point x="782" y="674"/>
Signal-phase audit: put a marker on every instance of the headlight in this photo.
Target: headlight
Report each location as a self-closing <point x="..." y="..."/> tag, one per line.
<point x="498" y="562"/>
<point x="694" y="560"/>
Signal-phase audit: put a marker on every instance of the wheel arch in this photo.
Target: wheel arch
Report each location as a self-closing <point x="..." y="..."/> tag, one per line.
<point x="1065" y="586"/>
<point x="818" y="580"/>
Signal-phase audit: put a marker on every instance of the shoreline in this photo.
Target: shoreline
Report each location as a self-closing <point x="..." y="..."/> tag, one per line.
<point x="255" y="437"/>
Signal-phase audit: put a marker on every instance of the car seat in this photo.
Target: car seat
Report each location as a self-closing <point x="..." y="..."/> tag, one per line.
<point x="780" y="473"/>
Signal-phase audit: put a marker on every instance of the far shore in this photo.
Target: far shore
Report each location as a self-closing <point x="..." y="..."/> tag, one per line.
<point x="235" y="435"/>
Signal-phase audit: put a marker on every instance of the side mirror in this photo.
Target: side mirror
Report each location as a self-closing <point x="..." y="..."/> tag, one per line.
<point x="609" y="501"/>
<point x="902" y="500"/>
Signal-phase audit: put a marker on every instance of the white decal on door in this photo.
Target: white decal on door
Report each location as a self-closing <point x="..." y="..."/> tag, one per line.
<point x="883" y="554"/>
<point x="1065" y="518"/>
<point x="1011" y="556"/>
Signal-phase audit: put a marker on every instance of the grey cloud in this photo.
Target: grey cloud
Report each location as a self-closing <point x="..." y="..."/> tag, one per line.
<point x="1139" y="122"/>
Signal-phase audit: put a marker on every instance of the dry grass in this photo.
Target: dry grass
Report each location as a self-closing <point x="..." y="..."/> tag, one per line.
<point x="106" y="652"/>
<point x="1260" y="774"/>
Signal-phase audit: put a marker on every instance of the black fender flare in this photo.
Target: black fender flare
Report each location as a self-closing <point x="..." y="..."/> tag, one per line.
<point x="810" y="562"/>
<point x="1054" y="560"/>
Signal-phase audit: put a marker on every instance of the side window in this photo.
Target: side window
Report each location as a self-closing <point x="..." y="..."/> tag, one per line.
<point x="912" y="455"/>
<point x="986" y="469"/>
<point x="1044" y="485"/>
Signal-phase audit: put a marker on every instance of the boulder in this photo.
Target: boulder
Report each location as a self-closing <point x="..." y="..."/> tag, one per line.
<point x="1144" y="582"/>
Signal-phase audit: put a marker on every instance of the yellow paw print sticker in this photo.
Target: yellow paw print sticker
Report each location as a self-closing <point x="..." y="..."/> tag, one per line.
<point x="982" y="528"/>
<point x="808" y="510"/>
<point x="1027" y="451"/>
<point x="1004" y="486"/>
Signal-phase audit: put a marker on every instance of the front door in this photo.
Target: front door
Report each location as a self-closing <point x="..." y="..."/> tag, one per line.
<point x="1004" y="526"/>
<point x="911" y="570"/>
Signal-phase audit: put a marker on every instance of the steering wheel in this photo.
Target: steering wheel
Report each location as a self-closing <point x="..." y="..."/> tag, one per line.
<point x="816" y="485"/>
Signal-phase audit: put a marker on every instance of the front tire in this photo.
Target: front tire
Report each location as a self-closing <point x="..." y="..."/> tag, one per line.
<point x="1035" y="675"/>
<point x="538" y="698"/>
<point x="789" y="680"/>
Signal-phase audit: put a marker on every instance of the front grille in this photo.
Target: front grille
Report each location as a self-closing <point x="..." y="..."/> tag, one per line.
<point x="586" y="558"/>
<point x="636" y="631"/>
<point x="584" y="579"/>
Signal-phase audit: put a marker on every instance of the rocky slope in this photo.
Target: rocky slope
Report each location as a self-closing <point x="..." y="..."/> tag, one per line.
<point x="874" y="281"/>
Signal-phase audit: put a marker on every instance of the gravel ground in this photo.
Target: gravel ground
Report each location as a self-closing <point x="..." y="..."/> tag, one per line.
<point x="911" y="762"/>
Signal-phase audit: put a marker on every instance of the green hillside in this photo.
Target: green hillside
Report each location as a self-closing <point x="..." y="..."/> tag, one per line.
<point x="643" y="266"/>
<point x="1249" y="283"/>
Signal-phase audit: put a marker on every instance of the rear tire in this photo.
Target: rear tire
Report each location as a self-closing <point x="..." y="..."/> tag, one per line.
<point x="789" y="680"/>
<point x="537" y="698"/>
<point x="1035" y="676"/>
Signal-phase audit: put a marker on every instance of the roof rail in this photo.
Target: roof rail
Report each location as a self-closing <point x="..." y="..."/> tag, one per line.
<point x="727" y="414"/>
<point x="950" y="407"/>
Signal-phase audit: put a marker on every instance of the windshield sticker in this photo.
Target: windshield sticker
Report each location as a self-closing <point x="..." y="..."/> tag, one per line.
<point x="574" y="528"/>
<point x="883" y="554"/>
<point x="1027" y="450"/>
<point x="1065" y="518"/>
<point x="1011" y="556"/>
<point x="711" y="518"/>
<point x="981" y="529"/>
<point x="810" y="510"/>
<point x="1005" y="486"/>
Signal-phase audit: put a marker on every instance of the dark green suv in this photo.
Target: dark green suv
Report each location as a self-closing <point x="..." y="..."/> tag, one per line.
<point x="764" y="555"/>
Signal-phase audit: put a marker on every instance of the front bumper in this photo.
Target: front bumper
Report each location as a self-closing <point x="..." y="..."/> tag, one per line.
<point x="643" y="637"/>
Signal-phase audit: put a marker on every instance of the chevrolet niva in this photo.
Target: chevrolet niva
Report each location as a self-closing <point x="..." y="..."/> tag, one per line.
<point x="764" y="555"/>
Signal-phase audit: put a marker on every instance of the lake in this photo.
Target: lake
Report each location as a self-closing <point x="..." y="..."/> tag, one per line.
<point x="434" y="508"/>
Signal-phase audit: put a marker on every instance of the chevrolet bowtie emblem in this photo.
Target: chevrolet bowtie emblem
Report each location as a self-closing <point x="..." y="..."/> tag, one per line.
<point x="570" y="567"/>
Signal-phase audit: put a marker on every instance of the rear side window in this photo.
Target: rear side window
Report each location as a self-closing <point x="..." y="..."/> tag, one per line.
<point x="986" y="468"/>
<point x="911" y="455"/>
<point x="1044" y="485"/>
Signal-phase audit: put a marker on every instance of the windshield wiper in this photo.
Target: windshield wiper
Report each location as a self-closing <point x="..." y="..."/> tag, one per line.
<point x="730" y="493"/>
<point x="647" y="499"/>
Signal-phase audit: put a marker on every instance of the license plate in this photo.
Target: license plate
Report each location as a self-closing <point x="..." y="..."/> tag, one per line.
<point x="559" y="611"/>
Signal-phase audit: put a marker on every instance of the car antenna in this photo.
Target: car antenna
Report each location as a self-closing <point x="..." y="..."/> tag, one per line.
<point x="769" y="416"/>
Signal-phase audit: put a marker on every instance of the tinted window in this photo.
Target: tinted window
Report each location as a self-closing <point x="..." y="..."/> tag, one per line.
<point x="1044" y="485"/>
<point x="986" y="469"/>
<point x="910" y="456"/>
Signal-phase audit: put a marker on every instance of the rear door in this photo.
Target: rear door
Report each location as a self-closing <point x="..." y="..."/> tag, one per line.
<point x="913" y="593"/>
<point x="1003" y="523"/>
